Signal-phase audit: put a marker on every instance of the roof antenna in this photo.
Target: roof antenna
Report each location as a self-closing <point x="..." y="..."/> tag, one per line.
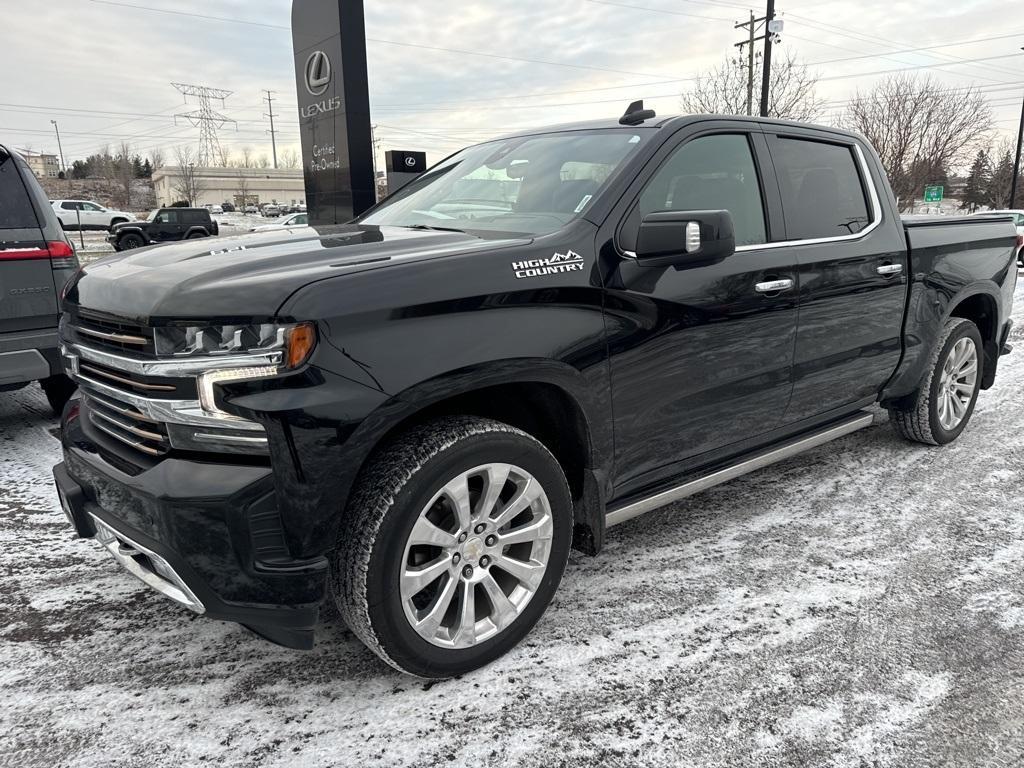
<point x="636" y="114"/>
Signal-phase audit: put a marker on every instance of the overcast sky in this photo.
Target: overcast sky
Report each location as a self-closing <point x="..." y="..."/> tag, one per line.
<point x="103" y="68"/>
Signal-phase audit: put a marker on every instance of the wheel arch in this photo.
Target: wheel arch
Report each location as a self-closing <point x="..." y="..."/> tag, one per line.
<point x="981" y="307"/>
<point x="547" y="400"/>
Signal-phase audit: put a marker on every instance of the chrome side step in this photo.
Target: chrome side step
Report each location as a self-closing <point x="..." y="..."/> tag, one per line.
<point x="784" y="451"/>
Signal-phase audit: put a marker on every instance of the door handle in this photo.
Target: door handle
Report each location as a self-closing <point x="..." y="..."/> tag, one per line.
<point x="774" y="286"/>
<point x="889" y="269"/>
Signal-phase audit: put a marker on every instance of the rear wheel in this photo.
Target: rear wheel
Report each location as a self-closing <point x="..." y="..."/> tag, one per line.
<point x="942" y="406"/>
<point x="130" y="241"/>
<point x="58" y="390"/>
<point x="454" y="543"/>
<point x="194" y="235"/>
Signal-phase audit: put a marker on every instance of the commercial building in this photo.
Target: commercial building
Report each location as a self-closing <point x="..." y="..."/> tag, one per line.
<point x="234" y="185"/>
<point x="43" y="166"/>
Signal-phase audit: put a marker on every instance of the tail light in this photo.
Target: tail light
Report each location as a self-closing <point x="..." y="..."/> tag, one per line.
<point x="1020" y="240"/>
<point x="62" y="255"/>
<point x="59" y="252"/>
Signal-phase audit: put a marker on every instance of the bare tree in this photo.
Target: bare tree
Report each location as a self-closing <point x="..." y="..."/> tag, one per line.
<point x="246" y="161"/>
<point x="156" y="158"/>
<point x="125" y="173"/>
<point x="920" y="129"/>
<point x="263" y="161"/>
<point x="225" y="156"/>
<point x="241" y="190"/>
<point x="723" y="90"/>
<point x="188" y="185"/>
<point x="290" y="158"/>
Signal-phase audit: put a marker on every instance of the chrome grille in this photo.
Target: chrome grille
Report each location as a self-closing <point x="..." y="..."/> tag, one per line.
<point x="124" y="423"/>
<point x="113" y="335"/>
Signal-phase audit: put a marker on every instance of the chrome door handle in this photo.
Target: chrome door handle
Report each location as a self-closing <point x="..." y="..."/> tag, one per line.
<point x="773" y="286"/>
<point x="889" y="269"/>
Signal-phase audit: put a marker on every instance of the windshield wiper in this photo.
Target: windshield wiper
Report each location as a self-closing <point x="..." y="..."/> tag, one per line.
<point x="429" y="226"/>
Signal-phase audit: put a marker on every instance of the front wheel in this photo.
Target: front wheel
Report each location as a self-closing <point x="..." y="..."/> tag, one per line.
<point x="130" y="241"/>
<point x="939" y="410"/>
<point x="454" y="542"/>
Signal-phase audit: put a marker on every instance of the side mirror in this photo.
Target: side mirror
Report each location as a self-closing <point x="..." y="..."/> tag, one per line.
<point x="673" y="238"/>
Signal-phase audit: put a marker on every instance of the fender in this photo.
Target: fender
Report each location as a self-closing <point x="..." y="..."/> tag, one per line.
<point x="930" y="305"/>
<point x="318" y="455"/>
<point x="194" y="230"/>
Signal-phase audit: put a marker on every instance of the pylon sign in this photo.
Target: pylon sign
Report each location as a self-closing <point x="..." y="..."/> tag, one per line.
<point x="329" y="40"/>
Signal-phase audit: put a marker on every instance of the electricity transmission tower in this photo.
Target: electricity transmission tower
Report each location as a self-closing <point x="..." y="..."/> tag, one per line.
<point x="205" y="119"/>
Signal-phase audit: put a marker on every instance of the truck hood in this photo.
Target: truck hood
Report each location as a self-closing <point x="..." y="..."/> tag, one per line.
<point x="251" y="275"/>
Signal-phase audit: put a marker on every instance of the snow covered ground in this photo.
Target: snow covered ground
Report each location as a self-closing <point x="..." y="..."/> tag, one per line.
<point x="860" y="605"/>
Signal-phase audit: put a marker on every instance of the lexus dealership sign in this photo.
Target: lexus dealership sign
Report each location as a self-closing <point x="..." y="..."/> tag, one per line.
<point x="329" y="41"/>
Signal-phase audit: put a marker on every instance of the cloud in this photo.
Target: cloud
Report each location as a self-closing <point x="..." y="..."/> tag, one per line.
<point x="116" y="59"/>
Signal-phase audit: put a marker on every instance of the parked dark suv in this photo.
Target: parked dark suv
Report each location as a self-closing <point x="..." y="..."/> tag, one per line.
<point x="36" y="261"/>
<point x="164" y="225"/>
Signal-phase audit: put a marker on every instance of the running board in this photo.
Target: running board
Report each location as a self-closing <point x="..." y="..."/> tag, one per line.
<point x="784" y="451"/>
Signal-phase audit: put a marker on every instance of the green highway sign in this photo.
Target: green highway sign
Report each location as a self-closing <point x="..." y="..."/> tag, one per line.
<point x="933" y="194"/>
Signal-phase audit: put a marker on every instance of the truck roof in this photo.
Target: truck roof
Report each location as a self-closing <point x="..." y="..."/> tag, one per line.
<point x="675" y="121"/>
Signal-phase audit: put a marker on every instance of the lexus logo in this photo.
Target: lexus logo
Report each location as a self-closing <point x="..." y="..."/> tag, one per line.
<point x="318" y="73"/>
<point x="410" y="162"/>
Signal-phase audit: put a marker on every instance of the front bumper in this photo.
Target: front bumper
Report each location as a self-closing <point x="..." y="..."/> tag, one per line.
<point x="197" y="532"/>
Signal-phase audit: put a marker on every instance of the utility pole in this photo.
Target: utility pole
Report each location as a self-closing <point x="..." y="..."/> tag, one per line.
<point x="64" y="168"/>
<point x="751" y="26"/>
<point x="766" y="63"/>
<point x="270" y="114"/>
<point x="1016" y="162"/>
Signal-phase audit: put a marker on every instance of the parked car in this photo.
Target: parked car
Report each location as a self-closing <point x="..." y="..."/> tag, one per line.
<point x="164" y="225"/>
<point x="1018" y="220"/>
<point x="227" y="207"/>
<point x="295" y="220"/>
<point x="271" y="210"/>
<point x="300" y="208"/>
<point x="92" y="215"/>
<point x="214" y="208"/>
<point x="36" y="260"/>
<point x="417" y="415"/>
<point x="250" y="209"/>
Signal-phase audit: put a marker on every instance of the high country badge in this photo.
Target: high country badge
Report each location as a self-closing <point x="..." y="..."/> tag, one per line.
<point x="560" y="262"/>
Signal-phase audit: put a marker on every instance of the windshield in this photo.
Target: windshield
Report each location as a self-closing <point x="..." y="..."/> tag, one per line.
<point x="527" y="185"/>
<point x="152" y="215"/>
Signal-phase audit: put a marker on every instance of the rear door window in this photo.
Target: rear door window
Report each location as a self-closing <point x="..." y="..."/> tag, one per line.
<point x="822" y="190"/>
<point x="16" y="210"/>
<point x="69" y="205"/>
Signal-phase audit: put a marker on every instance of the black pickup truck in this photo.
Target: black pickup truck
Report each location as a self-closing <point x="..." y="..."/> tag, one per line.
<point x="416" y="415"/>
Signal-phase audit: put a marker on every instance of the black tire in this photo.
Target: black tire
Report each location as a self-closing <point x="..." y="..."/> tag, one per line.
<point x="195" y="235"/>
<point x="916" y="417"/>
<point x="58" y="390"/>
<point x="130" y="241"/>
<point x="114" y="224"/>
<point x="389" y="496"/>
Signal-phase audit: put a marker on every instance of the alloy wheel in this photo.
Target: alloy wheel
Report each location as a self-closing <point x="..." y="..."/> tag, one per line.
<point x="957" y="383"/>
<point x="476" y="555"/>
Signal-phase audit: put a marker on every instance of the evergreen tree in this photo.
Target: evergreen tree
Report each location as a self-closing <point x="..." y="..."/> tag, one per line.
<point x="977" y="182"/>
<point x="999" y="183"/>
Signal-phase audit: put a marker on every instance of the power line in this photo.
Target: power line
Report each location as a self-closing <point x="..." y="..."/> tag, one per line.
<point x="388" y="42"/>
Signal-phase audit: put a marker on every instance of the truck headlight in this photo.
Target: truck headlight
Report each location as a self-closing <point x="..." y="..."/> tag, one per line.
<point x="257" y="338"/>
<point x="205" y="382"/>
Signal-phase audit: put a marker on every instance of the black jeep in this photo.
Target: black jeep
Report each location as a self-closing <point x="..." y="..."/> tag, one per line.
<point x="163" y="225"/>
